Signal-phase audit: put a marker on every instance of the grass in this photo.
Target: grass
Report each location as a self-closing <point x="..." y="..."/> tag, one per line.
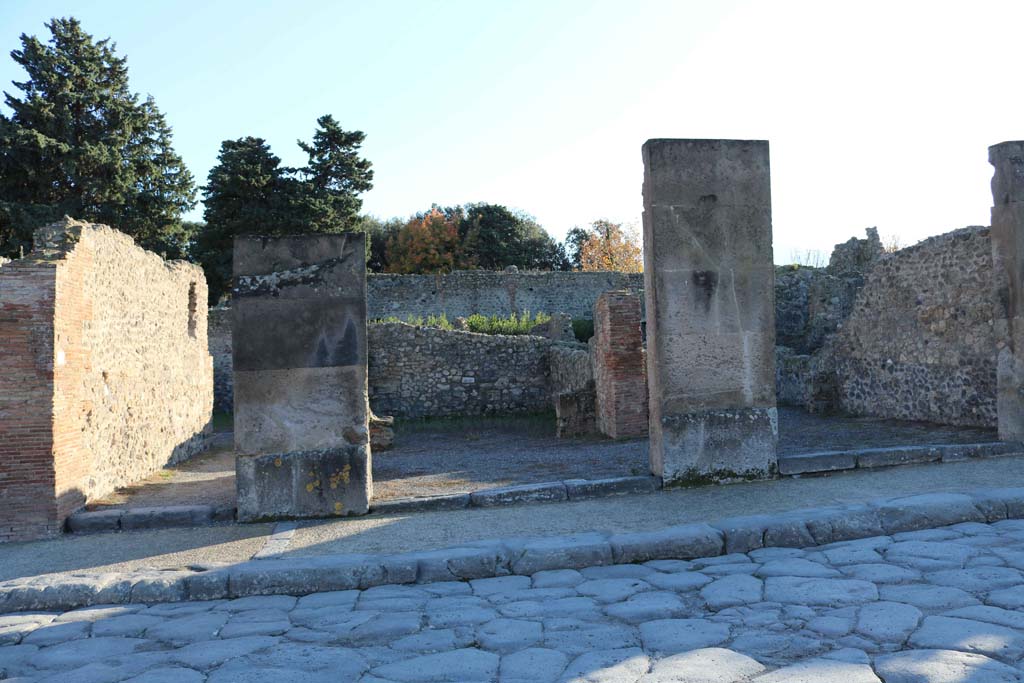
<point x="469" y="426"/>
<point x="514" y="324"/>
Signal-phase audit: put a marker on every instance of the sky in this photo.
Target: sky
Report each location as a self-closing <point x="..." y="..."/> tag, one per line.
<point x="877" y="113"/>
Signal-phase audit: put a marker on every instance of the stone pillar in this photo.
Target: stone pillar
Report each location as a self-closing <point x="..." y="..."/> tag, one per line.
<point x="709" y="283"/>
<point x="619" y="372"/>
<point x="1008" y="281"/>
<point x="301" y="409"/>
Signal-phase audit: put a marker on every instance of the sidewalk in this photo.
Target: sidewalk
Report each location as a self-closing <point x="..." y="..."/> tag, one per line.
<point x="175" y="548"/>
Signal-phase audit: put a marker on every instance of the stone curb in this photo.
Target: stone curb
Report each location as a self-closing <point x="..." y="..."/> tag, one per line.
<point x="834" y="461"/>
<point x="304" y="575"/>
<point x="133" y="519"/>
<point x="157" y="517"/>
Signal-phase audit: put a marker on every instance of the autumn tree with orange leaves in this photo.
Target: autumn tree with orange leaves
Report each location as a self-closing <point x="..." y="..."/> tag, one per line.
<point x="609" y="246"/>
<point x="429" y="243"/>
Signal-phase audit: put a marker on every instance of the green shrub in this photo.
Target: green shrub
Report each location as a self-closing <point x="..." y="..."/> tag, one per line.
<point x="583" y="329"/>
<point x="514" y="324"/>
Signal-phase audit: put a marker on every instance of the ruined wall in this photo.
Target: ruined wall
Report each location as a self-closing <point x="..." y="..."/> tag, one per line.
<point x="570" y="367"/>
<point x="418" y="372"/>
<point x="114" y="376"/>
<point x="618" y="359"/>
<point x="463" y="293"/>
<point x="919" y="343"/>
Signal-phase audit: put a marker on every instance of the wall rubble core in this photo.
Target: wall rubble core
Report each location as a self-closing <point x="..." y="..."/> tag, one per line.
<point x="709" y="283"/>
<point x="301" y="411"/>
<point x="107" y="377"/>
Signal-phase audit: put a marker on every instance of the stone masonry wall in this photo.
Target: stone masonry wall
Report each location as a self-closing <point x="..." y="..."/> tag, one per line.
<point x="919" y="343"/>
<point x="219" y="344"/>
<point x="418" y="372"/>
<point x="113" y="376"/>
<point x="463" y="293"/>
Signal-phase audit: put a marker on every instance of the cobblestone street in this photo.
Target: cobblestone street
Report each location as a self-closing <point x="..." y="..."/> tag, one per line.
<point x="938" y="605"/>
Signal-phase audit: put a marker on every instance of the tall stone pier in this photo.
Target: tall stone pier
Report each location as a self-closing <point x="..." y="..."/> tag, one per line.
<point x="1008" y="281"/>
<point x="301" y="409"/>
<point x="709" y="284"/>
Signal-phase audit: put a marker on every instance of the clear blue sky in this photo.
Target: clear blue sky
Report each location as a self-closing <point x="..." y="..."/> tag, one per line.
<point x="878" y="113"/>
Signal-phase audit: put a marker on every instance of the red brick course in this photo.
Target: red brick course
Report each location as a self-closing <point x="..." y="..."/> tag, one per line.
<point x="620" y="372"/>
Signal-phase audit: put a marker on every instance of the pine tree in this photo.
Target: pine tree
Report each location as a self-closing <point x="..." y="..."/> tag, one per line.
<point x="244" y="194"/>
<point x="79" y="142"/>
<point x="248" y="192"/>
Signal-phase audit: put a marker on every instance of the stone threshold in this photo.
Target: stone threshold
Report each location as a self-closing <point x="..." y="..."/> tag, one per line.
<point x="305" y="575"/>
<point x="866" y="458"/>
<point x="163" y="517"/>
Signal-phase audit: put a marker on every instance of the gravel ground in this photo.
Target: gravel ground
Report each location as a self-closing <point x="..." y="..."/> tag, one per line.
<point x="933" y="606"/>
<point x="446" y="456"/>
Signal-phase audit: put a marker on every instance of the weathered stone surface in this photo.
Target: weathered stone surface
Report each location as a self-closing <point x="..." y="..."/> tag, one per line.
<point x="1007" y="261"/>
<point x="681" y="542"/>
<point x="166" y="516"/>
<point x="618" y="359"/>
<point x="669" y="636"/>
<point x="704" y="665"/>
<point x="836" y="592"/>
<point x="582" y="489"/>
<point x="313" y="483"/>
<point x="943" y="666"/>
<point x="300" y="329"/>
<point x="709" y="285"/>
<point x="514" y="495"/>
<point x="950" y="633"/>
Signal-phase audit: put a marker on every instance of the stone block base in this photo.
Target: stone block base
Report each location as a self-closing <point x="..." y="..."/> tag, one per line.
<point x="575" y="412"/>
<point x="717" y="445"/>
<point x="331" y="482"/>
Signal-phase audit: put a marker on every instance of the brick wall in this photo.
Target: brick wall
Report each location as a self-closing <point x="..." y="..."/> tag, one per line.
<point x="619" y="368"/>
<point x="106" y="376"/>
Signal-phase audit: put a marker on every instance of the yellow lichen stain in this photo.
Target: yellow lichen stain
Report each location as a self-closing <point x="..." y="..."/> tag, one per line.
<point x="338" y="508"/>
<point x="277" y="462"/>
<point x="339" y="477"/>
<point x="309" y="488"/>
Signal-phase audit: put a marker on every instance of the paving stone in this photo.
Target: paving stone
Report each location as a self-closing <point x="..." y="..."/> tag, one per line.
<point x="927" y="597"/>
<point x="448" y="588"/>
<point x="881" y="573"/>
<point x="536" y="594"/>
<point x="838" y="557"/>
<point x="679" y="581"/>
<point x="276" y="602"/>
<point x="565" y="607"/>
<point x="953" y="553"/>
<point x="336" y="663"/>
<point x="500" y="584"/>
<point x="670" y="566"/>
<point x="795" y="566"/>
<point x="557" y="578"/>
<point x="58" y="633"/>
<point x="467" y="616"/>
<point x="991" y="615"/>
<point x="977" y="578"/>
<point x="618" y="571"/>
<point x="335" y="599"/>
<point x="950" y="633"/>
<point x="776" y="646"/>
<point x="647" y="606"/>
<point x="575" y="637"/>
<point x="129" y="625"/>
<point x="98" y="613"/>
<point x="726" y="569"/>
<point x="888" y="621"/>
<point x="611" y="590"/>
<point x="566" y="552"/>
<point x="210" y="653"/>
<point x="680" y="542"/>
<point x="169" y="674"/>
<point x="387" y="626"/>
<point x="435" y="640"/>
<point x="832" y="627"/>
<point x="943" y="666"/>
<point x="238" y="629"/>
<point x="737" y="589"/>
<point x="466" y="664"/>
<point x="508" y="635"/>
<point x="76" y="653"/>
<point x="1008" y="598"/>
<point x="817" y="670"/>
<point x="533" y="665"/>
<point x="809" y="591"/>
<point x="626" y="665"/>
<point x="190" y="629"/>
<point x="669" y="636"/>
<point x="704" y="665"/>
